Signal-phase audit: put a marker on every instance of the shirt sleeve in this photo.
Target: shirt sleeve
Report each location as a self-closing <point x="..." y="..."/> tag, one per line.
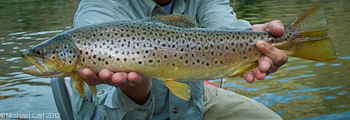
<point x="218" y="14"/>
<point x="89" y="12"/>
<point x="92" y="11"/>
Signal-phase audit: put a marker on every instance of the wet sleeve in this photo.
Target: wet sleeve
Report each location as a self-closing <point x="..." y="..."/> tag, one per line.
<point x="219" y="14"/>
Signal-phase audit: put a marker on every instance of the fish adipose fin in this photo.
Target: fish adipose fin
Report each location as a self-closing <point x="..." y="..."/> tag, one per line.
<point x="246" y="69"/>
<point x="316" y="45"/>
<point x="183" y="20"/>
<point x="179" y="89"/>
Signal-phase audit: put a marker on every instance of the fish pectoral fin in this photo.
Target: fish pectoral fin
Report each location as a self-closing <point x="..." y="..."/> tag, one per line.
<point x="181" y="20"/>
<point x="79" y="83"/>
<point x="179" y="89"/>
<point x="246" y="69"/>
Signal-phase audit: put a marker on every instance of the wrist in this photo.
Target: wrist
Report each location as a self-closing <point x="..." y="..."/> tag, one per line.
<point x="139" y="93"/>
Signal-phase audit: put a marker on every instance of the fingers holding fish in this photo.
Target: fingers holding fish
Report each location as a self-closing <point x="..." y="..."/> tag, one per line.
<point x="272" y="55"/>
<point x="90" y="77"/>
<point x="249" y="77"/>
<point x="276" y="27"/>
<point x="273" y="58"/>
<point x="123" y="79"/>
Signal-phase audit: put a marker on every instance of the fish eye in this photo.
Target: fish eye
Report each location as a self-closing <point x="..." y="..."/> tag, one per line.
<point x="39" y="52"/>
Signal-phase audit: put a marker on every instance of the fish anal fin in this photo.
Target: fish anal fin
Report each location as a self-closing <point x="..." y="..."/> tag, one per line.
<point x="246" y="69"/>
<point x="78" y="83"/>
<point x="181" y="20"/>
<point x="181" y="90"/>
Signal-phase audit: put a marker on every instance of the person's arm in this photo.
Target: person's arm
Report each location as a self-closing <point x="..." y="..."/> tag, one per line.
<point x="219" y="15"/>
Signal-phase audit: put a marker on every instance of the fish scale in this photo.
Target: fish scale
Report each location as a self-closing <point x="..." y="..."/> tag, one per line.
<point x="170" y="48"/>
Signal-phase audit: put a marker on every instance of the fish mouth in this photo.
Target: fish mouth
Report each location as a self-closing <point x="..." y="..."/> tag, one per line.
<point x="39" y="67"/>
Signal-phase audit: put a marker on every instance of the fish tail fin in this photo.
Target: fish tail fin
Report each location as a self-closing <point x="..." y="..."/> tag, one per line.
<point x="312" y="31"/>
<point x="78" y="83"/>
<point x="181" y="90"/>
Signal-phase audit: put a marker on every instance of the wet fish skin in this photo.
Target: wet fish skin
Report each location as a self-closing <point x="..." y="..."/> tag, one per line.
<point x="162" y="48"/>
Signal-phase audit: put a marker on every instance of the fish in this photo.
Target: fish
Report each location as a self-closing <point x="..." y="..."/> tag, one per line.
<point x="172" y="48"/>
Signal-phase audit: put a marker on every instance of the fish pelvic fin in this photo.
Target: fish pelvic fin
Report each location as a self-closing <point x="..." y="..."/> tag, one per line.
<point x="78" y="83"/>
<point x="315" y="43"/>
<point x="93" y="90"/>
<point x="181" y="90"/>
<point x="245" y="69"/>
<point x="181" y="20"/>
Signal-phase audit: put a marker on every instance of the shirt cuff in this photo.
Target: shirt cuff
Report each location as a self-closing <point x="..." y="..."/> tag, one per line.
<point x="134" y="110"/>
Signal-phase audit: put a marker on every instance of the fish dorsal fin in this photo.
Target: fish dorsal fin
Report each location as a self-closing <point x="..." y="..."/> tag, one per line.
<point x="181" y="20"/>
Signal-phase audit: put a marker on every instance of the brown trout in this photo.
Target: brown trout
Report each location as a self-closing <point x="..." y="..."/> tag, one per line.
<point x="170" y="48"/>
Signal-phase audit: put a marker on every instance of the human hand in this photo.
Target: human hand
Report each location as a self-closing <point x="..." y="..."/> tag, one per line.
<point x="120" y="79"/>
<point x="273" y="58"/>
<point x="132" y="84"/>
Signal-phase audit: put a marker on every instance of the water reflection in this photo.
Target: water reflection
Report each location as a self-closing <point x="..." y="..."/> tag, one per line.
<point x="23" y="25"/>
<point x="301" y="89"/>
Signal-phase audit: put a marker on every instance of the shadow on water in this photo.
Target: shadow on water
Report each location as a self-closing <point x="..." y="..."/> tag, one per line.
<point x="301" y="89"/>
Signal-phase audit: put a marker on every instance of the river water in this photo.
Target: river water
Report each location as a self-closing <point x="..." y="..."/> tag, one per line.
<point x="301" y="89"/>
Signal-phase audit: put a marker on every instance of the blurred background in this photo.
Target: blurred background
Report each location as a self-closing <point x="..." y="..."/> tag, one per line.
<point x="301" y="89"/>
